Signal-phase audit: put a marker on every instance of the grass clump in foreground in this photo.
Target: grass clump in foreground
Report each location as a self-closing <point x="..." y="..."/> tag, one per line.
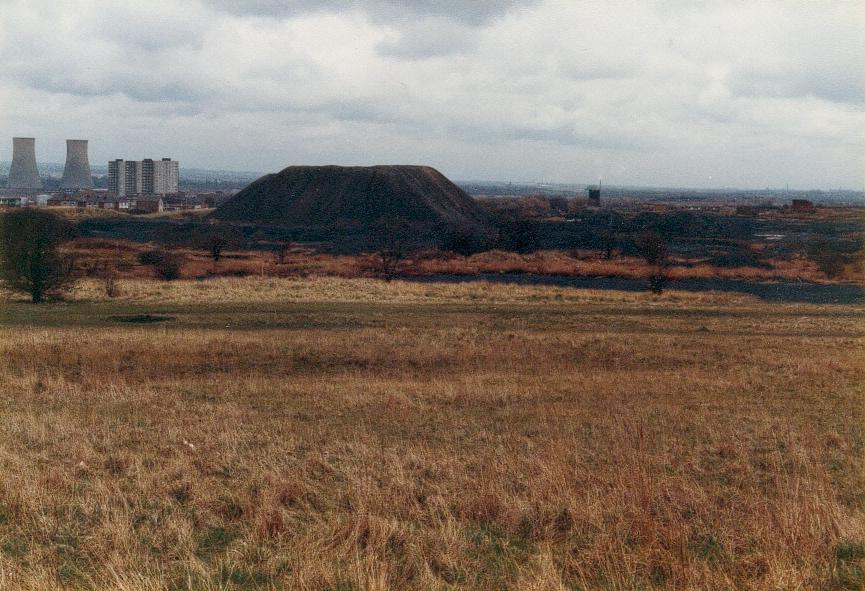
<point x="429" y="437"/>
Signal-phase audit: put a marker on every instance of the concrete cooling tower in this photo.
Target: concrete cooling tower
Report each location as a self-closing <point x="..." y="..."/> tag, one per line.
<point x="23" y="173"/>
<point x="76" y="173"/>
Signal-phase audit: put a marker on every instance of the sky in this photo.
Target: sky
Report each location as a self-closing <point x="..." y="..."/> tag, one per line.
<point x="670" y="93"/>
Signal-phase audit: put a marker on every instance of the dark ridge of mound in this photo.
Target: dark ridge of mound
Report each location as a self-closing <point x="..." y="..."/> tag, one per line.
<point x="327" y="195"/>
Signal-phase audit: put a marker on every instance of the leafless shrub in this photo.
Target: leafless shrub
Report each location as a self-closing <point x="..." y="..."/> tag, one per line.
<point x="395" y="239"/>
<point x="106" y="271"/>
<point x="281" y="250"/>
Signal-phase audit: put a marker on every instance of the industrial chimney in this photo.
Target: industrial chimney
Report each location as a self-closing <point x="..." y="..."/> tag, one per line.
<point x="76" y="173"/>
<point x="23" y="173"/>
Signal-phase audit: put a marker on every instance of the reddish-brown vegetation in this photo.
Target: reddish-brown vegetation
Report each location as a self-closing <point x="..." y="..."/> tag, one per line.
<point x="301" y="261"/>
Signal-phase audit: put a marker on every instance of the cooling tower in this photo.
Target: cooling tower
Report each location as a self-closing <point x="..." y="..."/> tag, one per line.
<point x="76" y="173"/>
<point x="23" y="173"/>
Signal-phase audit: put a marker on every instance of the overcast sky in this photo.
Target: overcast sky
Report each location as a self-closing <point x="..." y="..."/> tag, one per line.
<point x="743" y="94"/>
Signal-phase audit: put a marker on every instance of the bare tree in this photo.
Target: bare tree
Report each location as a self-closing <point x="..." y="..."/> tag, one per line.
<point x="394" y="240"/>
<point x="216" y="246"/>
<point x="653" y="248"/>
<point x="281" y="250"/>
<point x="609" y="237"/>
<point x="29" y="257"/>
<point x="216" y="239"/>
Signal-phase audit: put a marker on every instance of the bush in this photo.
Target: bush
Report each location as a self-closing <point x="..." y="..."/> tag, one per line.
<point x="169" y="268"/>
<point x="828" y="258"/>
<point x="559" y="205"/>
<point x="519" y="236"/>
<point x="165" y="264"/>
<point x="29" y="255"/>
<point x="151" y="257"/>
<point x="466" y="241"/>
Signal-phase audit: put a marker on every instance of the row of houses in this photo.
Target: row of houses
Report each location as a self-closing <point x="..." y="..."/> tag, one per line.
<point x="124" y="203"/>
<point x="129" y="204"/>
<point x="24" y="200"/>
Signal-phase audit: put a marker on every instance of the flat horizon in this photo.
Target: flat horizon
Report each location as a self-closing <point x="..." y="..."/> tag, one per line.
<point x="4" y="164"/>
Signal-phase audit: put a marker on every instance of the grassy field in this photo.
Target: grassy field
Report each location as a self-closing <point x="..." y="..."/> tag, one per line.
<point x="258" y="433"/>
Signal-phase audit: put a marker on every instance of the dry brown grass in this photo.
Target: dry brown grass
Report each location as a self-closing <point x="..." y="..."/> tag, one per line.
<point x="430" y="437"/>
<point x="261" y="290"/>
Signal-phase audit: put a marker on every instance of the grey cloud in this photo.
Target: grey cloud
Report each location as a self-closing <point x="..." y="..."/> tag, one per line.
<point x="173" y="91"/>
<point x="825" y="60"/>
<point x="131" y="85"/>
<point x="595" y="67"/>
<point x="470" y="12"/>
<point x="840" y="91"/>
<point x="147" y="30"/>
<point x="601" y="135"/>
<point x="353" y="110"/>
<point x="568" y="136"/>
<point x="840" y="85"/>
<point x="433" y="37"/>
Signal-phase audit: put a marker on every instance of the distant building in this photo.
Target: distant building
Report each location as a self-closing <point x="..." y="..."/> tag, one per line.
<point x="63" y="200"/>
<point x="117" y="177"/>
<point x="89" y="200"/>
<point x="182" y="201"/>
<point x="147" y="205"/>
<point x="143" y="177"/>
<point x="12" y="200"/>
<point x="594" y="195"/>
<point x="23" y="199"/>
<point x="803" y="205"/>
<point x="166" y="176"/>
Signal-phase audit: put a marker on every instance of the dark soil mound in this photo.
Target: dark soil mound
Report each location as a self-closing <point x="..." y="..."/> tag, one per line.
<point x="330" y="195"/>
